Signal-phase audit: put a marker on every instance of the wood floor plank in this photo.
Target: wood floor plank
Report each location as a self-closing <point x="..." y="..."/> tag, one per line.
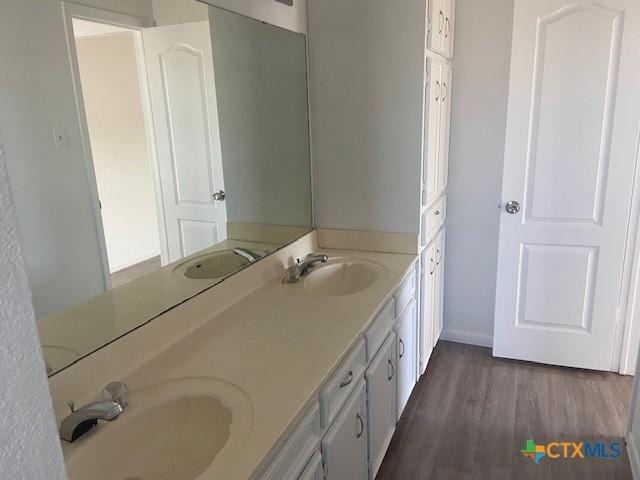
<point x="471" y="414"/>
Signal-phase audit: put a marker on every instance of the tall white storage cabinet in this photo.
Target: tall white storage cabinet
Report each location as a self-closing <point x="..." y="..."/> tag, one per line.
<point x="380" y="77"/>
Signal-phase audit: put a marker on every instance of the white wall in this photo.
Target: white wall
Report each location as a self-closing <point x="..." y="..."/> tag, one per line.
<point x="480" y="87"/>
<point x="50" y="185"/>
<point x="29" y="445"/>
<point x="170" y="12"/>
<point x="292" y="18"/>
<point x="261" y="86"/>
<point x="111" y="92"/>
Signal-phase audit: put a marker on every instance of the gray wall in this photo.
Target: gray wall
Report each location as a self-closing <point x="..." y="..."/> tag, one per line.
<point x="480" y="88"/>
<point x="366" y="121"/>
<point x="50" y="185"/>
<point x="261" y="86"/>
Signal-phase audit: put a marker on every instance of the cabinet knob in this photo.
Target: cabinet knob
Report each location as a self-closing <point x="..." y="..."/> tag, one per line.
<point x="436" y="212"/>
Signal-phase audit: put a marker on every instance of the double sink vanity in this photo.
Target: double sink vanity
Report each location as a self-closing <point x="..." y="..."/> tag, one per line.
<point x="259" y="377"/>
<point x="230" y="324"/>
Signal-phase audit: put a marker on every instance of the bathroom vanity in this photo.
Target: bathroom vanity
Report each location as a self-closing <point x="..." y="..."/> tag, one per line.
<point x="243" y="356"/>
<point x="278" y="381"/>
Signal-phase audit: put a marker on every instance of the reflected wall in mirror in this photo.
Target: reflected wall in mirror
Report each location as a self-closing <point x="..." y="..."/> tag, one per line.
<point x="189" y="161"/>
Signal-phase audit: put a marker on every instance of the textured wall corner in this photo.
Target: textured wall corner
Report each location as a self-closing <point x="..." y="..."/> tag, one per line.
<point x="29" y="445"/>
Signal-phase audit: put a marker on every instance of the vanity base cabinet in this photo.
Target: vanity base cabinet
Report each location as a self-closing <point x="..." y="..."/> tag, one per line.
<point x="299" y="448"/>
<point x="381" y="403"/>
<point x="313" y="470"/>
<point x="427" y="299"/>
<point x="438" y="310"/>
<point x="406" y="343"/>
<point x="344" y="447"/>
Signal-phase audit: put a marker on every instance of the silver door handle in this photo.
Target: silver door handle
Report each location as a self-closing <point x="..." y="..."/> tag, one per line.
<point x="219" y="196"/>
<point x="512" y="207"/>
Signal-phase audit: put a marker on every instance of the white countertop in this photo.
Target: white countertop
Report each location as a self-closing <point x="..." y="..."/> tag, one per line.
<point x="279" y="344"/>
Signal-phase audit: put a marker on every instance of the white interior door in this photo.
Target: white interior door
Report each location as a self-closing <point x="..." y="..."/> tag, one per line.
<point x="572" y="134"/>
<point x="185" y="116"/>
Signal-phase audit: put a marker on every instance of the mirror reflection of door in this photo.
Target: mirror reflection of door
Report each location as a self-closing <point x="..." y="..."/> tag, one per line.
<point x="185" y="116"/>
<point x="176" y="141"/>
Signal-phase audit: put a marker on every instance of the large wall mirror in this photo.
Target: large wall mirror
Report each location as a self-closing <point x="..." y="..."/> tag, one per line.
<point x="195" y="164"/>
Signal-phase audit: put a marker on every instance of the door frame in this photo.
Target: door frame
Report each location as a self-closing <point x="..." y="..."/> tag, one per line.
<point x="627" y="336"/>
<point x="136" y="25"/>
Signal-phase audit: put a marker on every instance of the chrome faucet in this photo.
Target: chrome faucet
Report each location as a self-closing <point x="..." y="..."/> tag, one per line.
<point x="82" y="420"/>
<point x="247" y="254"/>
<point x="295" y="273"/>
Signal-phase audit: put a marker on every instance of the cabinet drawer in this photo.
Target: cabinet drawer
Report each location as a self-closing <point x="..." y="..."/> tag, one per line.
<point x="337" y="389"/>
<point x="294" y="453"/>
<point x="405" y="292"/>
<point x="433" y="219"/>
<point x="380" y="328"/>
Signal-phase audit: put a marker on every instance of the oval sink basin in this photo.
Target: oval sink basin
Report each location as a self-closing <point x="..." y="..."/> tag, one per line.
<point x="211" y="266"/>
<point x="57" y="357"/>
<point x="340" y="277"/>
<point x="186" y="429"/>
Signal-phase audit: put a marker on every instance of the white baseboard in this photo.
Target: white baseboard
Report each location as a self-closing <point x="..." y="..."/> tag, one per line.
<point x="470" y="338"/>
<point x="632" y="451"/>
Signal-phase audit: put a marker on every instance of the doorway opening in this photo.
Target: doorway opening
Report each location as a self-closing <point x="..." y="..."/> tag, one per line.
<point x="109" y="70"/>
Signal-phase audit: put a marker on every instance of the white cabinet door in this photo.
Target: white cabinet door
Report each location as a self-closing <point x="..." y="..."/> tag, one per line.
<point x="448" y="30"/>
<point x="381" y="403"/>
<point x="444" y="129"/>
<point x="437" y="21"/>
<point x="344" y="447"/>
<point x="313" y="470"/>
<point x="433" y="96"/>
<point x="406" y="355"/>
<point x="425" y="324"/>
<point x="438" y="290"/>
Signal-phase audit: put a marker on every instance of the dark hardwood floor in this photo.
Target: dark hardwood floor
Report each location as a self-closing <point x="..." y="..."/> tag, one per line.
<point x="471" y="414"/>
